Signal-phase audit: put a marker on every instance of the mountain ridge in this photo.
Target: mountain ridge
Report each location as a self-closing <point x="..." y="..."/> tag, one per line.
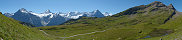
<point x="154" y="21"/>
<point x="155" y="4"/>
<point x="48" y="18"/>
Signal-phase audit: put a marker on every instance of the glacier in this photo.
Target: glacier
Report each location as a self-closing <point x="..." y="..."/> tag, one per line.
<point x="48" y="18"/>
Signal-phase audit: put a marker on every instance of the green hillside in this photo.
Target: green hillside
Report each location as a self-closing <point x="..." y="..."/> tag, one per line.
<point x="144" y="22"/>
<point x="10" y="29"/>
<point x="155" y="21"/>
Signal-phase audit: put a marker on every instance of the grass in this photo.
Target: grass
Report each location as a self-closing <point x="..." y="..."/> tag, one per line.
<point x="121" y="26"/>
<point x="176" y="25"/>
<point x="144" y="22"/>
<point x="10" y="29"/>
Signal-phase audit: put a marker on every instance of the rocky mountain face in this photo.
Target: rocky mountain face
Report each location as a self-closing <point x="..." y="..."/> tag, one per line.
<point x="25" y="16"/>
<point x="48" y="18"/>
<point x="95" y="13"/>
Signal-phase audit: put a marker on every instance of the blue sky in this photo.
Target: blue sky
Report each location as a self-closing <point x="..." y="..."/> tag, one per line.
<point x="111" y="6"/>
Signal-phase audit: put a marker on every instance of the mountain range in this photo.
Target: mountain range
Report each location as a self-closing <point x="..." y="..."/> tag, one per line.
<point x="155" y="21"/>
<point x="48" y="18"/>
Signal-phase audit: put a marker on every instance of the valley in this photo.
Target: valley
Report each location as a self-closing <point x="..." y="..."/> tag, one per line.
<point x="134" y="23"/>
<point x="154" y="21"/>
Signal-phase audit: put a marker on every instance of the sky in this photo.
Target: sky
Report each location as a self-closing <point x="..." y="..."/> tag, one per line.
<point x="111" y="6"/>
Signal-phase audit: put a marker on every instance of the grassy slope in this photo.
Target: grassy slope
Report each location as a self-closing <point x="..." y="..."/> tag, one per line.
<point x="141" y="21"/>
<point x="176" y="25"/>
<point x="12" y="30"/>
<point x="130" y="28"/>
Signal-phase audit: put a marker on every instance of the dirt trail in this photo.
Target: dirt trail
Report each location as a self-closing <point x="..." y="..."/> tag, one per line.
<point x="83" y="34"/>
<point x="77" y="34"/>
<point x="44" y="32"/>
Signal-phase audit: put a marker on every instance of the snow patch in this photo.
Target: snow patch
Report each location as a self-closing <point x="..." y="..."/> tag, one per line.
<point x="51" y="15"/>
<point x="44" y="23"/>
<point x="42" y="15"/>
<point x="76" y="17"/>
<point x="48" y="18"/>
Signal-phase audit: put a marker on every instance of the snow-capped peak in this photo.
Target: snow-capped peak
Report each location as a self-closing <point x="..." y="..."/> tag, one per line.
<point x="8" y="14"/>
<point x="23" y="10"/>
<point x="77" y="12"/>
<point x="47" y="11"/>
<point x="107" y="14"/>
<point x="48" y="18"/>
<point x="96" y="11"/>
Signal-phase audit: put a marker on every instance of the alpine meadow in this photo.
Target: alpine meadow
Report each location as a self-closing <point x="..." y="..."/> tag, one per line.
<point x="154" y="21"/>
